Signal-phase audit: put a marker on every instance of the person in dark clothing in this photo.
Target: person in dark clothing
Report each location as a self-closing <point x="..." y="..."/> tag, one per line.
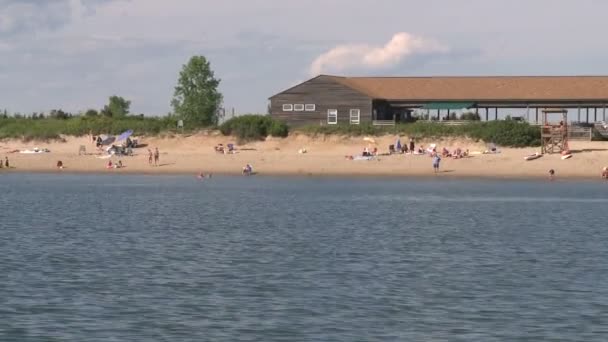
<point x="412" y="145"/>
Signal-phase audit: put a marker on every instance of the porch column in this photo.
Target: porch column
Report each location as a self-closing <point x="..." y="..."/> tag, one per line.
<point x="486" y="113"/>
<point x="595" y="114"/>
<point x="587" y="114"/>
<point x="496" y="113"/>
<point x="579" y="114"/>
<point x="536" y="114"/>
<point x="448" y="116"/>
<point x="438" y="114"/>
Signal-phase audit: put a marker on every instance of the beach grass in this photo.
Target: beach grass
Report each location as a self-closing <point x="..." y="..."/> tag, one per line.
<point x="504" y="133"/>
<point x="51" y="128"/>
<point x="257" y="127"/>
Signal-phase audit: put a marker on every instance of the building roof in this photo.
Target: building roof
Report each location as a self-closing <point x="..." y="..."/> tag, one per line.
<point x="499" y="88"/>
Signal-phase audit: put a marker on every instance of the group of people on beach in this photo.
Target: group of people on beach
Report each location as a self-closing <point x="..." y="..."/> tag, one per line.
<point x="5" y="164"/>
<point x="153" y="157"/>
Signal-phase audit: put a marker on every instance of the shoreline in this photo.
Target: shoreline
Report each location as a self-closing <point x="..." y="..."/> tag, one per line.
<point x="383" y="176"/>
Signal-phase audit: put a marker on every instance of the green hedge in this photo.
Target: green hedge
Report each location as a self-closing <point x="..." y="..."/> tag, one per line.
<point x="503" y="133"/>
<point x="254" y="127"/>
<point x="45" y="129"/>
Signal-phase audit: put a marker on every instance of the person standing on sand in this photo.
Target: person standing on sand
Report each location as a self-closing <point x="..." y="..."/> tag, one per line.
<point x="156" y="156"/>
<point x="412" y="145"/>
<point x="150" y="156"/>
<point x="436" y="160"/>
<point x="6" y="162"/>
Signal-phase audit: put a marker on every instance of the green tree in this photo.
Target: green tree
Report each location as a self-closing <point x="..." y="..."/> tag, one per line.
<point x="91" y="112"/>
<point x="59" y="114"/>
<point x="118" y="107"/>
<point x="196" y="98"/>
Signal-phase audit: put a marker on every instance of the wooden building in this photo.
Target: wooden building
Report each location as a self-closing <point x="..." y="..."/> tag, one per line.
<point x="329" y="100"/>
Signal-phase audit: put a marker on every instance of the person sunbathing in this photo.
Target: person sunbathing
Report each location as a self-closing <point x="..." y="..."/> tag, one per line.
<point x="457" y="153"/>
<point x="445" y="153"/>
<point x="605" y="173"/>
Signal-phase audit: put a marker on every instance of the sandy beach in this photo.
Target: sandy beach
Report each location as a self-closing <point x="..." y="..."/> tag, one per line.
<point x="326" y="156"/>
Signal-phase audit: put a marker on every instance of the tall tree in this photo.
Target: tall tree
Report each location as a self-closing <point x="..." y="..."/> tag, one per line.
<point x="196" y="98"/>
<point x="118" y="107"/>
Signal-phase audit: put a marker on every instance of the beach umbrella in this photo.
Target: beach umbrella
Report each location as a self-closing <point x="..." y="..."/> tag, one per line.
<point x="124" y="135"/>
<point x="107" y="139"/>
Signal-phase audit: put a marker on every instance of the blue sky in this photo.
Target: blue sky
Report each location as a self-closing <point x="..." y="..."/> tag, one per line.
<point x="74" y="54"/>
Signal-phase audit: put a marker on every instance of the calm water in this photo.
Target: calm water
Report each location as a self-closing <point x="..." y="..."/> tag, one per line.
<point x="134" y="258"/>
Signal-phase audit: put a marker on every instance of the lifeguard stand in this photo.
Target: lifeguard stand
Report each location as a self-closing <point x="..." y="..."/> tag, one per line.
<point x="554" y="135"/>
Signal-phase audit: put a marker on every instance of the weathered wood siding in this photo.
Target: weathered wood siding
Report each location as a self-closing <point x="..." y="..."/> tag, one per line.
<point x="325" y="94"/>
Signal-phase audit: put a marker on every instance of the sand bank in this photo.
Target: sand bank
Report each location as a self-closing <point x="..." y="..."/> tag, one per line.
<point x="325" y="157"/>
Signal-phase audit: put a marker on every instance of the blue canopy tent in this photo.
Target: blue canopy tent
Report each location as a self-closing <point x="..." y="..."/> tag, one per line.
<point x="124" y="135"/>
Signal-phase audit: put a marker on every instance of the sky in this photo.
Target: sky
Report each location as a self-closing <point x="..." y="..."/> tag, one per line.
<point x="74" y="54"/>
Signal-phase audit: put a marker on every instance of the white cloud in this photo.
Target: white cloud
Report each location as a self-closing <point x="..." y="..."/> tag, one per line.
<point x="350" y="56"/>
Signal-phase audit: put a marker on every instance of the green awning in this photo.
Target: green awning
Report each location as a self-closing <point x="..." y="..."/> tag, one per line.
<point x="448" y="105"/>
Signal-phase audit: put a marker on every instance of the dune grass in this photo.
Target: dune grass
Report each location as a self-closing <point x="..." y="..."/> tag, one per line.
<point x="50" y="128"/>
<point x="504" y="133"/>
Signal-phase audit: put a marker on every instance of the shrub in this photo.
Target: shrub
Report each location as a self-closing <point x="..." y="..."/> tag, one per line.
<point x="472" y="116"/>
<point x="254" y="127"/>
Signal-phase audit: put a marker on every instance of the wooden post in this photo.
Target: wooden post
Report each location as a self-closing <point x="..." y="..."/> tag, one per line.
<point x="486" y="113"/>
<point x="496" y="113"/>
<point x="579" y="114"/>
<point x="587" y="114"/>
<point x="448" y="117"/>
<point x="536" y="114"/>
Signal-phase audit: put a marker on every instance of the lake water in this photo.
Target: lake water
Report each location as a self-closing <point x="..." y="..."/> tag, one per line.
<point x="147" y="258"/>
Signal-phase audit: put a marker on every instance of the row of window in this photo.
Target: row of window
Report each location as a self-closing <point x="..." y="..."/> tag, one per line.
<point x="309" y="107"/>
<point x="354" y="116"/>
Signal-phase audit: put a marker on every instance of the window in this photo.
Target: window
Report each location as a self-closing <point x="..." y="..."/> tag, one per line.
<point x="355" y="116"/>
<point x="332" y="116"/>
<point x="298" y="107"/>
<point x="287" y="107"/>
<point x="309" y="107"/>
